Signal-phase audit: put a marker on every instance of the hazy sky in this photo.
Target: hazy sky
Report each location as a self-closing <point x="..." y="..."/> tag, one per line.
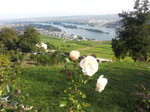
<point x="47" y="8"/>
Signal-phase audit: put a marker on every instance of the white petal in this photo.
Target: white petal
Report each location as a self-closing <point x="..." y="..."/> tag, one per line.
<point x="101" y="83"/>
<point x="89" y="66"/>
<point x="82" y="63"/>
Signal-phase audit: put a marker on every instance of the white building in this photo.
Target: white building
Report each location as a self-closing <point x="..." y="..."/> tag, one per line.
<point x="42" y="45"/>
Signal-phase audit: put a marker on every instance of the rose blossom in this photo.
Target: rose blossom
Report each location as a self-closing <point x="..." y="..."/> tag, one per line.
<point x="89" y="65"/>
<point x="74" y="55"/>
<point x="101" y="83"/>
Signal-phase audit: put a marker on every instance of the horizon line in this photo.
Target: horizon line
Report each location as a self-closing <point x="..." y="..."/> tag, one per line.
<point x="36" y="17"/>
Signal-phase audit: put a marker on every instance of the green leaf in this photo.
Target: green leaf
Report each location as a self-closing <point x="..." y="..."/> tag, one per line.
<point x="79" y="106"/>
<point x="82" y="81"/>
<point x="76" y="101"/>
<point x="80" y="93"/>
<point x="82" y="111"/>
<point x="84" y="96"/>
<point x="71" y="99"/>
<point x="72" y="81"/>
<point x="85" y="104"/>
<point x="69" y="88"/>
<point x="67" y="60"/>
<point x="65" y="91"/>
<point x="1" y="92"/>
<point x="85" y="81"/>
<point x="3" y="110"/>
<point x="62" y="103"/>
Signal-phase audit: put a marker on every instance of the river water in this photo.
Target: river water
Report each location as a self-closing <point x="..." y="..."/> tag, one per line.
<point x="88" y="34"/>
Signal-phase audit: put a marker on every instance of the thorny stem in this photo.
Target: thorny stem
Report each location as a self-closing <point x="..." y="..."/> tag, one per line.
<point x="70" y="109"/>
<point x="76" y="88"/>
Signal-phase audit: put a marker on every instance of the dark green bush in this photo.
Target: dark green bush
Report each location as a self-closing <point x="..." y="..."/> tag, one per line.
<point x="14" y="58"/>
<point x="33" y="57"/>
<point x="56" y="58"/>
<point x="14" y="55"/>
<point x="44" y="60"/>
<point x="47" y="60"/>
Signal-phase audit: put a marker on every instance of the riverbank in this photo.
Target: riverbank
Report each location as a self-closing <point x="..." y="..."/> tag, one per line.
<point x="86" y="31"/>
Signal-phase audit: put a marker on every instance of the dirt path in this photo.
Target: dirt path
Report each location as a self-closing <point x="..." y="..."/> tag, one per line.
<point x="86" y="48"/>
<point x="28" y="62"/>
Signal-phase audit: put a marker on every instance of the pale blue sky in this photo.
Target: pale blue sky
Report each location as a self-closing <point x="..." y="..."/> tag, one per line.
<point x="48" y="8"/>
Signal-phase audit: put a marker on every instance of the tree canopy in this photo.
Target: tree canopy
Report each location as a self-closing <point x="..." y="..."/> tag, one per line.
<point x="9" y="38"/>
<point x="133" y="36"/>
<point x="29" y="39"/>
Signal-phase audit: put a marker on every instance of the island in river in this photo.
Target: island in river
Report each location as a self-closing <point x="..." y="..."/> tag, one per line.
<point x="75" y="27"/>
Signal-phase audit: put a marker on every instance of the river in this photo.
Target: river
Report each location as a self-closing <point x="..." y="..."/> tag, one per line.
<point x="80" y="31"/>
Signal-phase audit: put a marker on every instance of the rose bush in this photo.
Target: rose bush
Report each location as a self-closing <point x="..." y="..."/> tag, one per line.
<point x="77" y="77"/>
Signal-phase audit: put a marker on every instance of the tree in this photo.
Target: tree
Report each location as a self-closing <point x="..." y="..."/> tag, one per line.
<point x="29" y="39"/>
<point x="133" y="36"/>
<point x="9" y="38"/>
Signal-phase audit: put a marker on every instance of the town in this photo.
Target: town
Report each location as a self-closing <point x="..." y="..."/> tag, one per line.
<point x="45" y="30"/>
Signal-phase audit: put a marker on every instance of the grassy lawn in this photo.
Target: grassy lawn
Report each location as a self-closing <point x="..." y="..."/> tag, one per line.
<point x="45" y="87"/>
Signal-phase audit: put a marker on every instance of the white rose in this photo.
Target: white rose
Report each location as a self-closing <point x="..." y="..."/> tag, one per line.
<point x="74" y="55"/>
<point x="101" y="83"/>
<point x="89" y="65"/>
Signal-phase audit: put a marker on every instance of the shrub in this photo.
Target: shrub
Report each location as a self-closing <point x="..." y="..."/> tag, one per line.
<point x="33" y="57"/>
<point x="143" y="102"/>
<point x="14" y="55"/>
<point x="21" y="58"/>
<point x="41" y="50"/>
<point x="44" y="60"/>
<point x="68" y="46"/>
<point x="11" y="99"/>
<point x="77" y="74"/>
<point x="4" y="60"/>
<point x="56" y="58"/>
<point x="47" y="60"/>
<point x="14" y="58"/>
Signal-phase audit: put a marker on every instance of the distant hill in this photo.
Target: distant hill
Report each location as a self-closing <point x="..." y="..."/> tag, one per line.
<point x="110" y="17"/>
<point x="115" y="24"/>
<point x="110" y="21"/>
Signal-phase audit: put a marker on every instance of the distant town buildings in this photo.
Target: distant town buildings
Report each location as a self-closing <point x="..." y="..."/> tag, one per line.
<point x="60" y="34"/>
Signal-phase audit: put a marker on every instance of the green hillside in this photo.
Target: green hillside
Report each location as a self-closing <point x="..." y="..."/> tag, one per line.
<point x="99" y="48"/>
<point x="45" y="87"/>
